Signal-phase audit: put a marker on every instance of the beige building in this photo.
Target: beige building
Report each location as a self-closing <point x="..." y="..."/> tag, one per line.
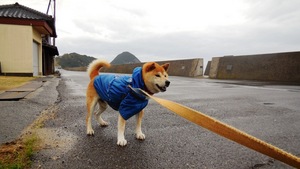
<point x="25" y="41"/>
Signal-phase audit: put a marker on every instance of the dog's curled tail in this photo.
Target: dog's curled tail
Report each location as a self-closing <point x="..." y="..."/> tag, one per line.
<point x="93" y="68"/>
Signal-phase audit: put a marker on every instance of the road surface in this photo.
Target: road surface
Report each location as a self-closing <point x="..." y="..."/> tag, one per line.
<point x="269" y="112"/>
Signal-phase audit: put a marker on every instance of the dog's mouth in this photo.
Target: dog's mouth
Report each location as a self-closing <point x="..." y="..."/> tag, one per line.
<point x="162" y="89"/>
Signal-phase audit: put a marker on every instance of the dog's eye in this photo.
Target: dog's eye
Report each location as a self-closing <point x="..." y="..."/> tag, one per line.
<point x="157" y="75"/>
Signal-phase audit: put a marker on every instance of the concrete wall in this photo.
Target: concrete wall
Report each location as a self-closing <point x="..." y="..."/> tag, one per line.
<point x="188" y="67"/>
<point x="207" y="69"/>
<point x="281" y="67"/>
<point x="214" y="67"/>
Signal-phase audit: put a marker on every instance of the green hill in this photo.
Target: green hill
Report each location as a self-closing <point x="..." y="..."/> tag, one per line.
<point x="71" y="60"/>
<point x="75" y="61"/>
<point x="125" y="58"/>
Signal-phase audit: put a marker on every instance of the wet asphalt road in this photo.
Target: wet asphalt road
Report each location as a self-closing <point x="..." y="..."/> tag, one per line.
<point x="269" y="112"/>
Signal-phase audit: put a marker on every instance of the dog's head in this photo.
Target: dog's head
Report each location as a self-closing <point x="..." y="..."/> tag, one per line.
<point x="155" y="77"/>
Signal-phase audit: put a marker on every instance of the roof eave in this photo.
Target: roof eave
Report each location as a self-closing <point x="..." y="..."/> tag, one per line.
<point x="41" y="25"/>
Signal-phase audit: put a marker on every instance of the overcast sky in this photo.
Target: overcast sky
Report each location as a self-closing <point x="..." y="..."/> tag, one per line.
<point x="173" y="29"/>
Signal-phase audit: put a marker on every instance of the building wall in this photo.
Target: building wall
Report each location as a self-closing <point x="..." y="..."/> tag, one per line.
<point x="16" y="49"/>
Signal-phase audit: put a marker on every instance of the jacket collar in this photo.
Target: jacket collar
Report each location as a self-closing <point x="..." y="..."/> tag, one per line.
<point x="137" y="80"/>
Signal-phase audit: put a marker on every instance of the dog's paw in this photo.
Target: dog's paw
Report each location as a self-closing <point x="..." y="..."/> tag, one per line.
<point x="122" y="142"/>
<point x="90" y="132"/>
<point x="104" y="124"/>
<point x="140" y="136"/>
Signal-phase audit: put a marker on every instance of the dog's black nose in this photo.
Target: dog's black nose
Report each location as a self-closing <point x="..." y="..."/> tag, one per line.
<point x="167" y="83"/>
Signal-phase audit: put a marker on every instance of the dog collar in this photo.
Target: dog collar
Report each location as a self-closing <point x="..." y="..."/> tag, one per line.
<point x="137" y="93"/>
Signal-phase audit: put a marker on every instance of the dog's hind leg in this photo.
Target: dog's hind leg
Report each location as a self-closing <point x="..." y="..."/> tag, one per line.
<point x="139" y="134"/>
<point x="102" y="108"/>
<point x="91" y="103"/>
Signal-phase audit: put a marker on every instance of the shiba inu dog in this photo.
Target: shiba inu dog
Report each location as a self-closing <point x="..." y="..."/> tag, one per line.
<point x="114" y="90"/>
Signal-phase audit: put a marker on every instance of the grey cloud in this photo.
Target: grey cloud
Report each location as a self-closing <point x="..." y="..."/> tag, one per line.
<point x="269" y="27"/>
<point x="191" y="44"/>
<point x="275" y="11"/>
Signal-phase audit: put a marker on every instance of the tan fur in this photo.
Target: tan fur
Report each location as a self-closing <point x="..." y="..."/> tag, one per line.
<point x="93" y="68"/>
<point x="156" y="80"/>
<point x="150" y="70"/>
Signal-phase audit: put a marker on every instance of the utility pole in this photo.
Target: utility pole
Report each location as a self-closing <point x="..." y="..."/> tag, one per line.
<point x="48" y="7"/>
<point x="54" y="15"/>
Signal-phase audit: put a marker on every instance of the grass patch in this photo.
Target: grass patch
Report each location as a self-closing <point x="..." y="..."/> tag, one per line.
<point x="9" y="82"/>
<point x="18" y="155"/>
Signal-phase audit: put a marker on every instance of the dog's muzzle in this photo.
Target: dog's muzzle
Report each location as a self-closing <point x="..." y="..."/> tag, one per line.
<point x="167" y="83"/>
<point x="163" y="88"/>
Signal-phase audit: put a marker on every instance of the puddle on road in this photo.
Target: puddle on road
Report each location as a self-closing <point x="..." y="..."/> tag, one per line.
<point x="228" y="86"/>
<point x="76" y="88"/>
<point x="269" y="103"/>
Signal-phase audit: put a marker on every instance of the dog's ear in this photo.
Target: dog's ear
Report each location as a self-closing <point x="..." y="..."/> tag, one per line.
<point x="166" y="66"/>
<point x="150" y="67"/>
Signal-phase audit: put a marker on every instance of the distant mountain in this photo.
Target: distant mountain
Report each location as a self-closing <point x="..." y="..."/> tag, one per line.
<point x="125" y="58"/>
<point x="73" y="60"/>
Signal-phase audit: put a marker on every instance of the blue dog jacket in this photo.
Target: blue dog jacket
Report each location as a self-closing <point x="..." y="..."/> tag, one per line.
<point x="115" y="91"/>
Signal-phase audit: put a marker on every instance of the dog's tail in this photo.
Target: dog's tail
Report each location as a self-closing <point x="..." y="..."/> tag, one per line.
<point x="93" y="68"/>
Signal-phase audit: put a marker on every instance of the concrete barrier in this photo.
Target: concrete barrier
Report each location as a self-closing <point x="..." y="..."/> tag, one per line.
<point x="280" y="67"/>
<point x="206" y="72"/>
<point x="187" y="67"/>
<point x="214" y="67"/>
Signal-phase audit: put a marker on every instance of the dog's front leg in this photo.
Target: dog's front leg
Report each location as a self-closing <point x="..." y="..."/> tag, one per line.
<point x="139" y="134"/>
<point x="121" y="131"/>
